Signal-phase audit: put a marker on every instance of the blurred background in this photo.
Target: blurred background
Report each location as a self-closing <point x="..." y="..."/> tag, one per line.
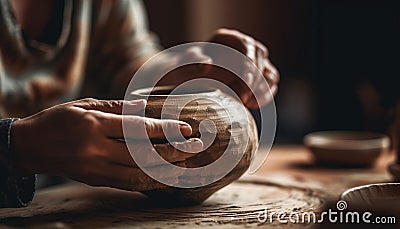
<point x="332" y="54"/>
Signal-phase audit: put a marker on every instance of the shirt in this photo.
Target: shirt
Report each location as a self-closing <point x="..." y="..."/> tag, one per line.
<point x="100" y="45"/>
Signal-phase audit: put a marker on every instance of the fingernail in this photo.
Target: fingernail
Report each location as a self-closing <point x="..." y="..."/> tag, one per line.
<point x="138" y="102"/>
<point x="196" y="144"/>
<point x="185" y="129"/>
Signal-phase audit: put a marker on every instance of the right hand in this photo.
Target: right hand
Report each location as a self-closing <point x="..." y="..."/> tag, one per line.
<point x="78" y="140"/>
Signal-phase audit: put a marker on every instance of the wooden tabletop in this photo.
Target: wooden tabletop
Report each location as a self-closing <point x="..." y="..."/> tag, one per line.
<point x="288" y="181"/>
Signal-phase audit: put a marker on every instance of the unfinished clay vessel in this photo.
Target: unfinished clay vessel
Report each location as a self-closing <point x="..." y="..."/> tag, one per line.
<point x="237" y="129"/>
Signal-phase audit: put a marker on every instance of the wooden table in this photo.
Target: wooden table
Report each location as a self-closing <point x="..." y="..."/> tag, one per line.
<point x="287" y="182"/>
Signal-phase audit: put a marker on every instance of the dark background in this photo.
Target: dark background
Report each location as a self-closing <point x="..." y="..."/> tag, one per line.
<point x="331" y="54"/>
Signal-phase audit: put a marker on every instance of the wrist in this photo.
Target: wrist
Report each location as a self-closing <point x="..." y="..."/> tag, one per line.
<point x="15" y="190"/>
<point x="22" y="165"/>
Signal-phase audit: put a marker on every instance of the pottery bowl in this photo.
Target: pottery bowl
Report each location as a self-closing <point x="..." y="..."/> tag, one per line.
<point x="381" y="198"/>
<point x="394" y="169"/>
<point x="237" y="128"/>
<point x="348" y="148"/>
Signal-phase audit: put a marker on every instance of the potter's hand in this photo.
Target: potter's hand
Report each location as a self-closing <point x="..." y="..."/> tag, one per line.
<point x="206" y="57"/>
<point x="79" y="140"/>
<point x="258" y="54"/>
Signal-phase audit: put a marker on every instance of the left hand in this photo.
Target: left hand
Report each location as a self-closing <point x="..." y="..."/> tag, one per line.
<point x="248" y="87"/>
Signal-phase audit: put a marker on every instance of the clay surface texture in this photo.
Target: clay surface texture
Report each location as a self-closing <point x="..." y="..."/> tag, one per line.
<point x="217" y="120"/>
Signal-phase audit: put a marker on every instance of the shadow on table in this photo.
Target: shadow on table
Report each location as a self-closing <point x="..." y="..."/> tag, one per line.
<point x="93" y="208"/>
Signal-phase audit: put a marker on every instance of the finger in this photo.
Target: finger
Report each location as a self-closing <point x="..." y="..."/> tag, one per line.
<point x="250" y="84"/>
<point x="259" y="97"/>
<point x="270" y="72"/>
<point x="112" y="106"/>
<point x="230" y="38"/>
<point x="157" y="128"/>
<point x="136" y="127"/>
<point x="262" y="97"/>
<point x="147" y="152"/>
<point x="201" y="63"/>
<point x="250" y="73"/>
<point x="239" y="85"/>
<point x="262" y="49"/>
<point x="262" y="77"/>
<point x="252" y="51"/>
<point x="249" y="79"/>
<point x="179" y="151"/>
<point x="195" y="54"/>
<point x="241" y="90"/>
<point x="192" y="64"/>
<point x="134" y="106"/>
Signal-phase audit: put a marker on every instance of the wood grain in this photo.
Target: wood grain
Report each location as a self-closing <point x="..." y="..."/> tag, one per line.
<point x="289" y="181"/>
<point x="79" y="206"/>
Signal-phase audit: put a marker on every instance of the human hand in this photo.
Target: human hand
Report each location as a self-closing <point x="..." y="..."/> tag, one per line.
<point x="81" y="140"/>
<point x="258" y="54"/>
<point x="258" y="80"/>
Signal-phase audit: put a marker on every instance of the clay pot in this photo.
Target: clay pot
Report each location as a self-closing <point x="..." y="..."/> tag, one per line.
<point x="237" y="128"/>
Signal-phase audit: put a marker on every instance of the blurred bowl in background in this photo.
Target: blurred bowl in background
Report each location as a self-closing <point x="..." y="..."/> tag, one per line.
<point x="346" y="148"/>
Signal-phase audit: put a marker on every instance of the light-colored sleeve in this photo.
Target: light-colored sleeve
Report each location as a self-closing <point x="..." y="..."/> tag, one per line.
<point x="120" y="43"/>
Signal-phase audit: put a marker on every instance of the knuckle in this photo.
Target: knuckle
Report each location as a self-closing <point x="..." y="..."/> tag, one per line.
<point x="89" y="101"/>
<point x="113" y="103"/>
<point x="150" y="126"/>
<point x="170" y="127"/>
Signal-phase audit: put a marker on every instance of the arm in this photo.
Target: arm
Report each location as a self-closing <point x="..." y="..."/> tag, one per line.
<point x="120" y="44"/>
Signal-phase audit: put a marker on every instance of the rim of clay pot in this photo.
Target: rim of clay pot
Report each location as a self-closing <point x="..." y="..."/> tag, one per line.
<point x="163" y="91"/>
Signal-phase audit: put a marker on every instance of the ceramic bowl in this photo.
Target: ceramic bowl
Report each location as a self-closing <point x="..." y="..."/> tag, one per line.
<point x="381" y="198"/>
<point x="346" y="147"/>
<point x="394" y="169"/>
<point x="237" y="129"/>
